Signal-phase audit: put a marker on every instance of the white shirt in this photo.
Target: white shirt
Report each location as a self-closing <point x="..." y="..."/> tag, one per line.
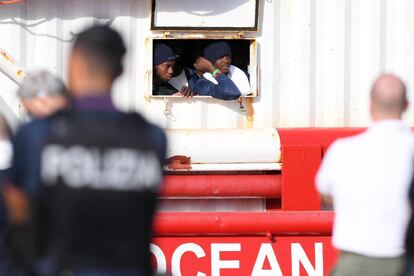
<point x="238" y="77"/>
<point x="6" y="152"/>
<point x="368" y="177"/>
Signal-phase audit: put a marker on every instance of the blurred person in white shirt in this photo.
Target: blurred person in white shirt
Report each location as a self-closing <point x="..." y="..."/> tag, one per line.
<point x="366" y="178"/>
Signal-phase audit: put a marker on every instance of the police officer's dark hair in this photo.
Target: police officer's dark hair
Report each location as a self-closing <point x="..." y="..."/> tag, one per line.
<point x="103" y="49"/>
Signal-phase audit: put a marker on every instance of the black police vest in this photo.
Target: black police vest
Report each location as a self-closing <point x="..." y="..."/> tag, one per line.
<point x="100" y="175"/>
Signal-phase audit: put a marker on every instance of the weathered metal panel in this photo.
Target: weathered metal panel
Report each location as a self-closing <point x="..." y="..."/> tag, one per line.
<point x="317" y="58"/>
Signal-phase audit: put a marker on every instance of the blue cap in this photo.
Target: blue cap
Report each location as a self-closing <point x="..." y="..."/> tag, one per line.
<point x="163" y="53"/>
<point x="217" y="50"/>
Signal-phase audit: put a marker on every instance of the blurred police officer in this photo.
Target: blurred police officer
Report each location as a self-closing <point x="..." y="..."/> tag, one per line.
<point x="92" y="190"/>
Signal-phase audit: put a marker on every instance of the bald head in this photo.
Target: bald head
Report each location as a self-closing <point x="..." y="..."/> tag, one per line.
<point x="388" y="98"/>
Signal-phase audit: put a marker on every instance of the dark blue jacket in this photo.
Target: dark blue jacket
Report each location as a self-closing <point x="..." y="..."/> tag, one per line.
<point x="224" y="90"/>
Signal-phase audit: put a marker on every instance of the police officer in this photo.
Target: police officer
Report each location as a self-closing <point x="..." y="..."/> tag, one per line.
<point x="89" y="197"/>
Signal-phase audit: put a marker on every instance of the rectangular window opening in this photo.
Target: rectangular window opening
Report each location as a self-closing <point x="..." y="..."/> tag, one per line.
<point x="177" y="68"/>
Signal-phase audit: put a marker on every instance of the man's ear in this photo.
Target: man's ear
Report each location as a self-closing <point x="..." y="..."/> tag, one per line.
<point x="407" y="104"/>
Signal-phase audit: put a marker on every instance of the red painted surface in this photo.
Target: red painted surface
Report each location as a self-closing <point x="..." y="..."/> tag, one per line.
<point x="302" y="151"/>
<point x="267" y="186"/>
<point x="299" y="166"/>
<point x="299" y="221"/>
<point x="322" y="137"/>
<point x="243" y="253"/>
<point x="239" y="223"/>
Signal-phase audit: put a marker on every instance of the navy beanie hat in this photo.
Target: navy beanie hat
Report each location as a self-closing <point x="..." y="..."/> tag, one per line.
<point x="163" y="53"/>
<point x="217" y="50"/>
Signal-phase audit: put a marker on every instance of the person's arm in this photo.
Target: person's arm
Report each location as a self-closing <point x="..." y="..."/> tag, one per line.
<point x="25" y="171"/>
<point x="15" y="198"/>
<point x="185" y="92"/>
<point x="225" y="89"/>
<point x="17" y="204"/>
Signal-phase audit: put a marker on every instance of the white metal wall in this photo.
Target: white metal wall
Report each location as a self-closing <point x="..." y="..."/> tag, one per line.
<point x="318" y="58"/>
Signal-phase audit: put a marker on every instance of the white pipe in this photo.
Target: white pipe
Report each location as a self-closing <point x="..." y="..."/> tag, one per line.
<point x="231" y="167"/>
<point x="11" y="68"/>
<point x="225" y="146"/>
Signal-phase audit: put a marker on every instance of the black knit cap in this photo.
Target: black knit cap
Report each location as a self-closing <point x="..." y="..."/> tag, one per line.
<point x="163" y="53"/>
<point x="217" y="50"/>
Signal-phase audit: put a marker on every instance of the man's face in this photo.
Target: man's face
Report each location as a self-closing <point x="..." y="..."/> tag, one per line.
<point x="41" y="107"/>
<point x="165" y="70"/>
<point x="223" y="64"/>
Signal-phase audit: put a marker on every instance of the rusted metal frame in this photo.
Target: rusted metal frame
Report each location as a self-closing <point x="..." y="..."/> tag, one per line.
<point x="300" y="223"/>
<point x="265" y="186"/>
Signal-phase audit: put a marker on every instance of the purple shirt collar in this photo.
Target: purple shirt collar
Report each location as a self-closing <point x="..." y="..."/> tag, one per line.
<point x="100" y="103"/>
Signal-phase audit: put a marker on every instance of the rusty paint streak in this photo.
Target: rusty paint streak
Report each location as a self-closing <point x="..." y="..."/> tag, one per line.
<point x="179" y="162"/>
<point x="9" y="2"/>
<point x="21" y="73"/>
<point x="7" y="57"/>
<point x="249" y="122"/>
<point x="253" y="54"/>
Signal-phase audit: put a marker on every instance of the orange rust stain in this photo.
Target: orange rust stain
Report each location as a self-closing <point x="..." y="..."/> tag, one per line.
<point x="6" y="56"/>
<point x="179" y="162"/>
<point x="249" y="122"/>
<point x="9" y="2"/>
<point x="21" y="73"/>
